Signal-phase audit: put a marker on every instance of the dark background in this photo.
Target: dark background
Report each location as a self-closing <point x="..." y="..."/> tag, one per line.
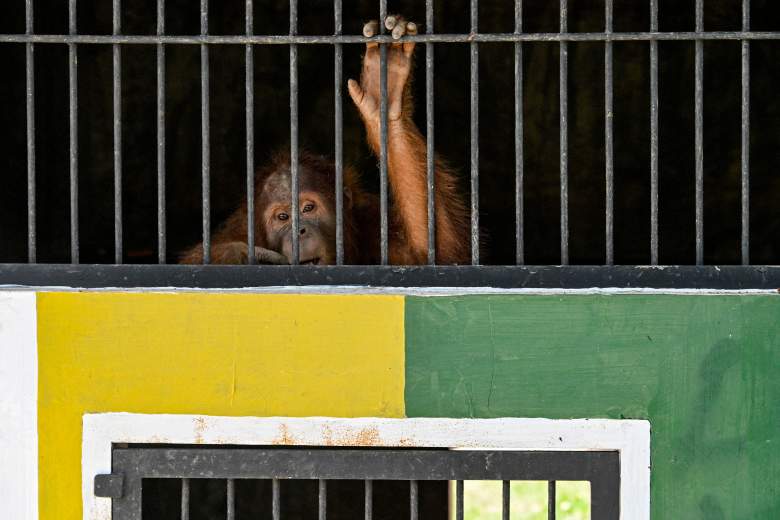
<point x="586" y="126"/>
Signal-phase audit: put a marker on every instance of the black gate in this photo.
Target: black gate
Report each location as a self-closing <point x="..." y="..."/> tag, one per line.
<point x="132" y="465"/>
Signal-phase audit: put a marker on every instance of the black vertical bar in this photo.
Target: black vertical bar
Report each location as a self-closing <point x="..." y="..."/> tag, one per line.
<point x="231" y="499"/>
<point x="338" y="60"/>
<point x="505" y="502"/>
<point x="205" y="131"/>
<point x="458" y="500"/>
<point x="474" y="135"/>
<point x="275" y="502"/>
<point x="551" y="500"/>
<point x="161" y="247"/>
<point x="654" y="135"/>
<point x="429" y="136"/>
<point x="322" y="500"/>
<point x="249" y="87"/>
<point x="564" y="135"/>
<point x="74" y="136"/>
<point x="605" y="495"/>
<point x="117" y="63"/>
<point x="294" y="135"/>
<point x="699" y="99"/>
<point x="608" y="137"/>
<point x="745" y="166"/>
<point x="30" y="109"/>
<point x="383" y="204"/>
<point x="519" y="173"/>
<point x="414" y="499"/>
<point x="185" y="499"/>
<point x="369" y="500"/>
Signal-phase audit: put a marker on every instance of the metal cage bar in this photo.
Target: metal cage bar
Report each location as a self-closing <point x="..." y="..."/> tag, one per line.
<point x="249" y="87"/>
<point x="745" y="159"/>
<point x="294" y="163"/>
<point x="30" y="116"/>
<point x="117" y="98"/>
<point x="338" y="108"/>
<point x="205" y="129"/>
<point x="418" y="38"/>
<point x="74" y="135"/>
<point x="30" y="125"/>
<point x="430" y="158"/>
<point x="654" y="135"/>
<point x="564" y="133"/>
<point x="383" y="201"/>
<point x="161" y="209"/>
<point x="699" y="132"/>
<point x="519" y="159"/>
<point x="474" y="124"/>
<point x="608" y="138"/>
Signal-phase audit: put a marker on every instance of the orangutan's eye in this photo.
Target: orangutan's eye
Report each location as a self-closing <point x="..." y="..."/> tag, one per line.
<point x="308" y="207"/>
<point x="282" y="216"/>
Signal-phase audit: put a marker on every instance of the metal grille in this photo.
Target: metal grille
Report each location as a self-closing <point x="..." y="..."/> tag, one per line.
<point x="131" y="465"/>
<point x="514" y="276"/>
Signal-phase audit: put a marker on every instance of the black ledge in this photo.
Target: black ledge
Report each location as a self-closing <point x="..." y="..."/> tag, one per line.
<point x="504" y="277"/>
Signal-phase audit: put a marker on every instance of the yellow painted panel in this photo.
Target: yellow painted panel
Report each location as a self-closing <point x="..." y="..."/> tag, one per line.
<point x="216" y="354"/>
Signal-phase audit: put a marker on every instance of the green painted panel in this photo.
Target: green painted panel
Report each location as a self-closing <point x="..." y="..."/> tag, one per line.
<point x="705" y="370"/>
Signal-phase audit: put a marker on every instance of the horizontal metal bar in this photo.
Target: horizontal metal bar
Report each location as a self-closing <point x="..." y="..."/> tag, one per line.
<point x="529" y="277"/>
<point x="368" y="465"/>
<point x="422" y="38"/>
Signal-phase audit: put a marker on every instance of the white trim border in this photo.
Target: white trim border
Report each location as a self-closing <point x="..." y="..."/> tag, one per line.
<point x="630" y="437"/>
<point x="18" y="406"/>
<point x="399" y="291"/>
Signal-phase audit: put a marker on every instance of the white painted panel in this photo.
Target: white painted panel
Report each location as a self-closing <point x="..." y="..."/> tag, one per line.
<point x="630" y="437"/>
<point x="18" y="406"/>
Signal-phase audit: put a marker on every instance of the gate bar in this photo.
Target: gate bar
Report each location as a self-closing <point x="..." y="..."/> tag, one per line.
<point x="459" y="500"/>
<point x="275" y="503"/>
<point x="414" y="506"/>
<point x="322" y="500"/>
<point x="505" y="500"/>
<point x="369" y="498"/>
<point x="231" y="499"/>
<point x="551" y="500"/>
<point x="185" y="499"/>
